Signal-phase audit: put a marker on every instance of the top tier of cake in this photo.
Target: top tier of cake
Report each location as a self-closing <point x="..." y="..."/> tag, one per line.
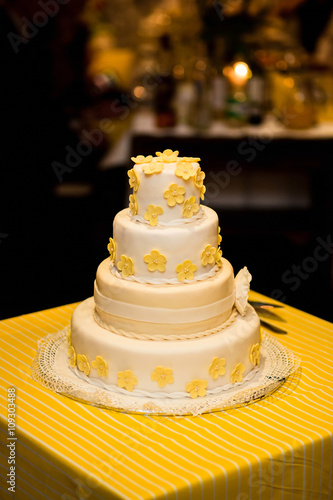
<point x="166" y="189"/>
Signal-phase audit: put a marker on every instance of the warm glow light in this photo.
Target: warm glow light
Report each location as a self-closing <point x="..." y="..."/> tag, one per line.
<point x="241" y="70"/>
<point x="140" y="92"/>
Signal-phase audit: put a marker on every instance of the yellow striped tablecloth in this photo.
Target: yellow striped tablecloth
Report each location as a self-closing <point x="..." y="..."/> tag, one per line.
<point x="278" y="448"/>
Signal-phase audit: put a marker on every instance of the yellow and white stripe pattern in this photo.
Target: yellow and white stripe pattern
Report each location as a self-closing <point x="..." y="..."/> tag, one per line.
<point x="278" y="448"/>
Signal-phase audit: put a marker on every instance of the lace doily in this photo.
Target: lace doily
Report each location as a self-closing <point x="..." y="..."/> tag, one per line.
<point x="50" y="368"/>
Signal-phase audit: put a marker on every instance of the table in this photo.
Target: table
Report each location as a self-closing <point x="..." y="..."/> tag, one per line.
<point x="278" y="448"/>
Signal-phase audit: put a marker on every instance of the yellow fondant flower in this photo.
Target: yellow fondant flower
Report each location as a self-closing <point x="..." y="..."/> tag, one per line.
<point x="71" y="356"/>
<point x="142" y="159"/>
<point x="153" y="168"/>
<point x="152" y="213"/>
<point x="237" y="373"/>
<point x="219" y="237"/>
<point x="255" y="354"/>
<point x="218" y="257"/>
<point x="190" y="158"/>
<point x="168" y="155"/>
<point x="162" y="376"/>
<point x="175" y="194"/>
<point x="197" y="388"/>
<point x="202" y="192"/>
<point x="199" y="178"/>
<point x="208" y="255"/>
<point x="184" y="170"/>
<point x="133" y="204"/>
<point x="216" y="368"/>
<point x="185" y="270"/>
<point x="126" y="380"/>
<point x="101" y="366"/>
<point x="126" y="266"/>
<point x="190" y="208"/>
<point x="133" y="179"/>
<point x="69" y="336"/>
<point x="83" y="364"/>
<point x="155" y="261"/>
<point x="112" y="248"/>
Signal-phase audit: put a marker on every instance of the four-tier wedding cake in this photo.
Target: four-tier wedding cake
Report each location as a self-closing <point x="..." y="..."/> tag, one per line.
<point x="168" y="319"/>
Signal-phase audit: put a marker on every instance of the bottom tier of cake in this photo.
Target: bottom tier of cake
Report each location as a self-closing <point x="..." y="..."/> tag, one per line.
<point x="192" y="368"/>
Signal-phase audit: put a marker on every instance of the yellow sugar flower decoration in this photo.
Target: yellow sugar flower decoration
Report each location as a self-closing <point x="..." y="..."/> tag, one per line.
<point x="218" y="257"/>
<point x="133" y="204"/>
<point x="175" y="194"/>
<point x="199" y="178"/>
<point x="126" y="266"/>
<point x="185" y="271"/>
<point x="208" y="255"/>
<point x="112" y="248"/>
<point x="155" y="261"/>
<point x="69" y="336"/>
<point x="216" y="368"/>
<point x="202" y="192"/>
<point x="184" y="170"/>
<point x="152" y="213"/>
<point x="197" y="388"/>
<point x="190" y="158"/>
<point x="168" y="155"/>
<point x="133" y="179"/>
<point x="71" y="357"/>
<point x="101" y="366"/>
<point x="162" y="376"/>
<point x="153" y="168"/>
<point x="237" y="373"/>
<point x="126" y="380"/>
<point x="190" y="208"/>
<point x="142" y="159"/>
<point x="255" y="354"/>
<point x="83" y="364"/>
<point x="219" y="237"/>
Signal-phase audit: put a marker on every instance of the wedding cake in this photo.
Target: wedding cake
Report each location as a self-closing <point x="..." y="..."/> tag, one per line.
<point x="168" y="319"/>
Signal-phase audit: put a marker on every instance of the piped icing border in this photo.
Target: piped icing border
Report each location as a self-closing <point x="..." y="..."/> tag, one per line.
<point x="174" y="222"/>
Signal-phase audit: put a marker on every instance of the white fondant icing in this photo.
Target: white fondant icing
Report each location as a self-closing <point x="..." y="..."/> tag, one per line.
<point x="242" y="283"/>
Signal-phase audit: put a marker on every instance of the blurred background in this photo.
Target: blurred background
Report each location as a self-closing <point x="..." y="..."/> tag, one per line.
<point x="246" y="85"/>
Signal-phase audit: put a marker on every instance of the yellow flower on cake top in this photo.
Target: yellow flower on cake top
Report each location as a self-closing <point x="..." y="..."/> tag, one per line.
<point x="175" y="194"/>
<point x="126" y="380"/>
<point x="202" y="192"/>
<point x="168" y="155"/>
<point x="71" y="356"/>
<point x="162" y="376"/>
<point x="190" y="208"/>
<point x="101" y="366"/>
<point x="197" y="388"/>
<point x="152" y="213"/>
<point x="185" y="271"/>
<point x="219" y="237"/>
<point x="184" y="170"/>
<point x="255" y="354"/>
<point x="237" y="373"/>
<point x="156" y="261"/>
<point x="190" y="159"/>
<point x="133" y="204"/>
<point x="83" y="364"/>
<point x="153" y="168"/>
<point x="216" y="368"/>
<point x="142" y="159"/>
<point x="112" y="248"/>
<point x="218" y="257"/>
<point x="208" y="255"/>
<point x="133" y="179"/>
<point x="126" y="266"/>
<point x="199" y="178"/>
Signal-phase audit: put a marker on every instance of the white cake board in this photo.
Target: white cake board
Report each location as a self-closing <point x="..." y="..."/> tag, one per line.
<point x="50" y="368"/>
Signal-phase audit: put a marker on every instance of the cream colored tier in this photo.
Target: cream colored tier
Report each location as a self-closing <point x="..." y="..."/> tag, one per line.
<point x="181" y="308"/>
<point x="152" y="189"/>
<point x="215" y="361"/>
<point x="176" y="244"/>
